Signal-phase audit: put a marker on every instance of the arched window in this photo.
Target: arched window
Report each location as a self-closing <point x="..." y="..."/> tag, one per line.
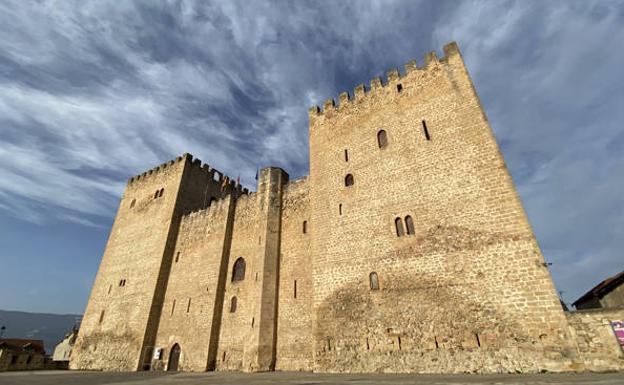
<point x="161" y="192"/>
<point x="233" y="305"/>
<point x="382" y="138"/>
<point x="132" y="203"/>
<point x="373" y="280"/>
<point x="238" y="271"/>
<point x="305" y="227"/>
<point x="349" y="180"/>
<point x="398" y="223"/>
<point x="409" y="223"/>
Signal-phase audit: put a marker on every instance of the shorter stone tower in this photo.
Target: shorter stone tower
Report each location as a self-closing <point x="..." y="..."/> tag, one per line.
<point x="121" y="320"/>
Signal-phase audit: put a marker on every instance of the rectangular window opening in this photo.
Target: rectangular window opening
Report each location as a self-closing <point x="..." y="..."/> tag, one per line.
<point x="425" y="130"/>
<point x="177" y="258"/>
<point x="399" y="87"/>
<point x="340" y="209"/>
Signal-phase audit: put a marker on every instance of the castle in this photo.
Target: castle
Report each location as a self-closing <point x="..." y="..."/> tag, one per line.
<point x="406" y="249"/>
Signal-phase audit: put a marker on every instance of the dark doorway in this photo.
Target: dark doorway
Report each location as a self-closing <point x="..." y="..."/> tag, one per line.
<point x="174" y="358"/>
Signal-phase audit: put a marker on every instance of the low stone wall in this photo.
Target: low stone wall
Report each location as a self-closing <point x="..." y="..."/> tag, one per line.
<point x="598" y="347"/>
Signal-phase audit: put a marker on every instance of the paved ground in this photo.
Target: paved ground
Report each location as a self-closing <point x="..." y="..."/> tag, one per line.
<point x="280" y="378"/>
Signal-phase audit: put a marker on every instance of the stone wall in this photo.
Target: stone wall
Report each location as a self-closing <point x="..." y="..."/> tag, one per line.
<point x="468" y="291"/>
<point x="20" y="360"/>
<point x="236" y="326"/>
<point x="193" y="287"/>
<point x="248" y="334"/>
<point x="294" y="326"/>
<point x="597" y="344"/>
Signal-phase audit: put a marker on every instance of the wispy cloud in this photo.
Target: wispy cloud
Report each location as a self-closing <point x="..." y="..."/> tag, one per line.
<point x="93" y="92"/>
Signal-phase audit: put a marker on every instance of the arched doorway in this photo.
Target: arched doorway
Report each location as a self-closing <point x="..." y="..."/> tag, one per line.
<point x="174" y="358"/>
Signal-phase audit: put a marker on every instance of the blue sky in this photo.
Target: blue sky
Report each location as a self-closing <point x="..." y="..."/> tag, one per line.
<point x="93" y="92"/>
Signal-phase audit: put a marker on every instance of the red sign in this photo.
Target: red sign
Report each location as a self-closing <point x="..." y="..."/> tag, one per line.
<point x="618" y="329"/>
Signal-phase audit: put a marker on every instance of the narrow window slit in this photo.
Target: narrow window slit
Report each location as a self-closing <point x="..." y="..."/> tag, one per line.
<point x="425" y="130"/>
<point x="188" y="306"/>
<point x="478" y="341"/>
<point x="346" y="156"/>
<point x="399" y="87"/>
<point x="295" y="289"/>
<point x="233" y="304"/>
<point x="435" y="339"/>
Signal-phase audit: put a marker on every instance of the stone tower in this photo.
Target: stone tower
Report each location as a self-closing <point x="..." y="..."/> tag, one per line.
<point x="120" y="323"/>
<point x="413" y="194"/>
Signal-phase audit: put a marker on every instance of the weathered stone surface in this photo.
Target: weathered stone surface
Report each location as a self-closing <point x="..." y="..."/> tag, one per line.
<point x="329" y="285"/>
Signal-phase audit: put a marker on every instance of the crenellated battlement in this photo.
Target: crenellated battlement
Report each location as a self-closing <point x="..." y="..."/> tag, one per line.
<point x="217" y="206"/>
<point x="394" y="79"/>
<point x="213" y="173"/>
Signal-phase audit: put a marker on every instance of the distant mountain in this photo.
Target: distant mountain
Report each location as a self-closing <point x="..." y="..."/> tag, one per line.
<point x="51" y="328"/>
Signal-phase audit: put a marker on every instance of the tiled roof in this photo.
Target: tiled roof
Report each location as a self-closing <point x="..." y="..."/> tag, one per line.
<point x="602" y="288"/>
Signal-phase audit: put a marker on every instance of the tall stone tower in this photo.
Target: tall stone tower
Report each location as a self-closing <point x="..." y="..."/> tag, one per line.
<point x="424" y="244"/>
